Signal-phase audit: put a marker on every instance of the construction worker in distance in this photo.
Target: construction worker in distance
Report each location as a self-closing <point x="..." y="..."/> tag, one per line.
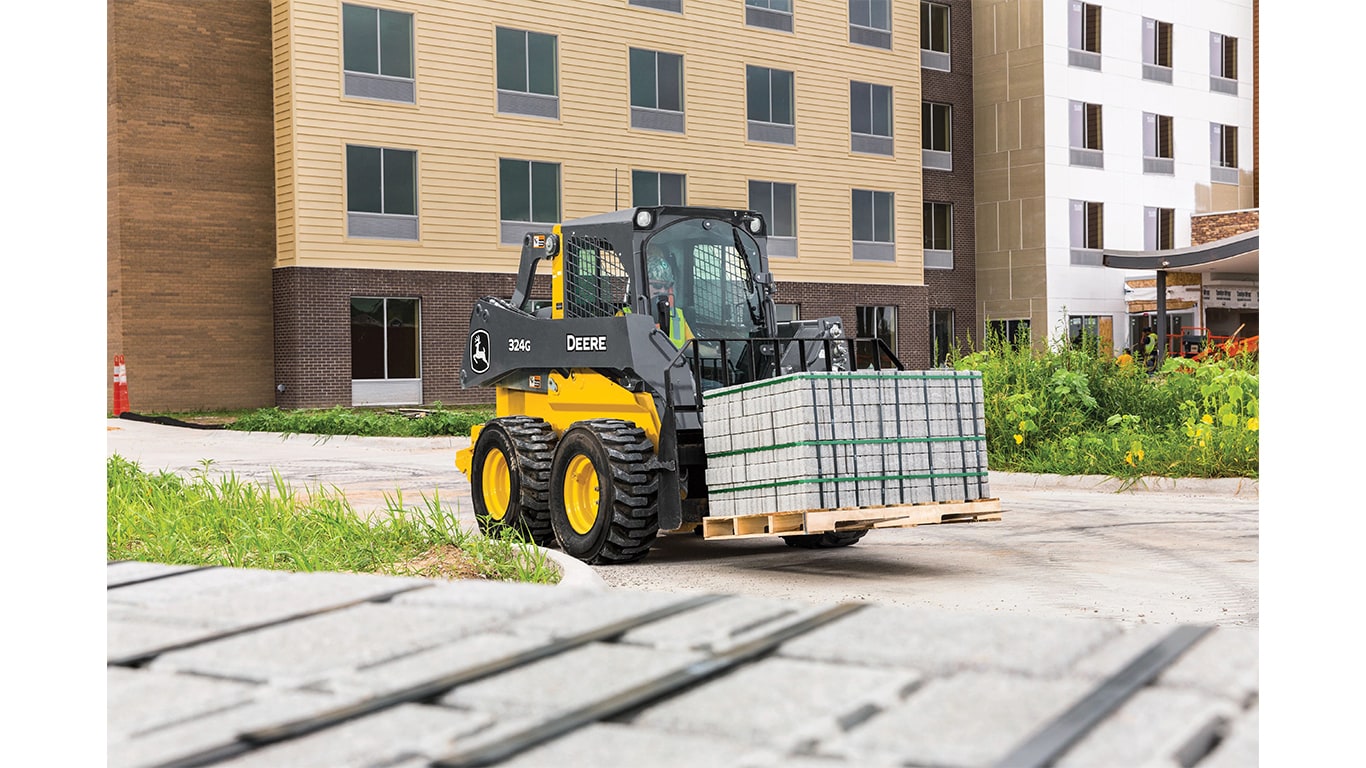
<point x="1149" y="337"/>
<point x="660" y="274"/>
<point x="1125" y="360"/>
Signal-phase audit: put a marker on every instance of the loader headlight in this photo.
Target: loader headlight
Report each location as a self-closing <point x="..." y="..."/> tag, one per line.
<point x="645" y="219"/>
<point x="754" y="224"/>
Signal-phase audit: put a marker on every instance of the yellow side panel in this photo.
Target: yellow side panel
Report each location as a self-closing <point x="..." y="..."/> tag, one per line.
<point x="583" y="395"/>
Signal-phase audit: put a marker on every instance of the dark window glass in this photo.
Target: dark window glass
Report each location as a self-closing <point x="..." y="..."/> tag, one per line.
<point x="941" y="335"/>
<point x="395" y="44"/>
<point x="778" y="203"/>
<point x="545" y="192"/>
<point x="384" y="338"/>
<point x="863" y="215"/>
<point x="876" y="14"/>
<point x="401" y="338"/>
<point x="870" y="109"/>
<point x="511" y="59"/>
<point x="363" y="189"/>
<point x="541" y="63"/>
<point x="938" y="226"/>
<point x="784" y="6"/>
<point x="671" y="191"/>
<point x="400" y="182"/>
<point x="643" y="78"/>
<point x="360" y="39"/>
<point x="670" y="82"/>
<point x="514" y="177"/>
<point x="934" y="27"/>
<point x="935" y="129"/>
<point x="769" y="95"/>
<point x="656" y="80"/>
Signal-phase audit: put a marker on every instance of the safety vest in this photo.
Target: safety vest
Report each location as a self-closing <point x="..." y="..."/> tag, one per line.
<point x="678" y="327"/>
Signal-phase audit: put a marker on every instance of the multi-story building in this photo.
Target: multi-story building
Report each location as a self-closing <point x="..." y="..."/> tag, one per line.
<point x="306" y="196"/>
<point x="1105" y="125"/>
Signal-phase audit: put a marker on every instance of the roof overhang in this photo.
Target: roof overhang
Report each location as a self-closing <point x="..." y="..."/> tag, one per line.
<point x="1232" y="255"/>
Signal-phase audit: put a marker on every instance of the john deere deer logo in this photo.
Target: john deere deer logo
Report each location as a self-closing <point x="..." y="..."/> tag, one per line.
<point x="479" y="351"/>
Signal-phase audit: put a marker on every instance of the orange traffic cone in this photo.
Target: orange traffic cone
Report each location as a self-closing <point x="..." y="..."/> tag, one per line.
<point x="120" y="386"/>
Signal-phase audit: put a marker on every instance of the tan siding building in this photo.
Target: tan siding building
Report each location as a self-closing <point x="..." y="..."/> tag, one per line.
<point x="403" y="142"/>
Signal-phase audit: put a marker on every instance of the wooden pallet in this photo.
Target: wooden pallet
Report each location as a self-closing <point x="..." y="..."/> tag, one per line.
<point x="850" y="519"/>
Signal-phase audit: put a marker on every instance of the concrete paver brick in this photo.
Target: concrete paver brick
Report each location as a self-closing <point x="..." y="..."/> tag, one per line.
<point x="507" y="595"/>
<point x="786" y="703"/>
<point x="598" y="610"/>
<point x="423" y="666"/>
<point x="1223" y="663"/>
<point x="968" y="719"/>
<point x="379" y="739"/>
<point x="1158" y="726"/>
<point x="299" y="652"/>
<point x="129" y="571"/>
<point x="568" y="680"/>
<point x="941" y="643"/>
<point x="1119" y="651"/>
<point x="203" y="584"/>
<point x="130" y="692"/>
<point x="609" y="745"/>
<point x="212" y="729"/>
<point x="714" y="626"/>
<point x="127" y="637"/>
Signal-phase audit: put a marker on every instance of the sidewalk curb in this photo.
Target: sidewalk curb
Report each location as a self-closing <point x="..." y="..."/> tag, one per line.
<point x="574" y="573"/>
<point x="1242" y="487"/>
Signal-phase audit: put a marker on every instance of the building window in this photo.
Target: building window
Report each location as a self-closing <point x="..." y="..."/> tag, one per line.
<point x="385" y="337"/>
<point x="377" y="54"/>
<point x="1084" y="132"/>
<point x="770" y="110"/>
<point x="936" y="136"/>
<point x="874" y="225"/>
<point x="528" y="198"/>
<point x="1157" y="144"/>
<point x="656" y="90"/>
<point x="381" y="193"/>
<point x="870" y="23"/>
<point x="1157" y="50"/>
<point x="787" y="313"/>
<point x="769" y="14"/>
<point x="1084" y="331"/>
<point x="1223" y="151"/>
<point x="870" y="117"/>
<point x="527" y="73"/>
<point x="1088" y="228"/>
<point x="1083" y="35"/>
<point x="1223" y="63"/>
<point x="941" y="336"/>
<point x="673" y="6"/>
<point x="1014" y="333"/>
<point x="938" y="228"/>
<point x="875" y="323"/>
<point x="934" y="36"/>
<point x="1159" y="229"/>
<point x="778" y="204"/>
<point x="649" y="188"/>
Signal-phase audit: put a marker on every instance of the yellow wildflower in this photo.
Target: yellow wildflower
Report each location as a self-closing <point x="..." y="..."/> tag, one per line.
<point x="1022" y="426"/>
<point x="1208" y="419"/>
<point x="1129" y="458"/>
<point x="1019" y="439"/>
<point x="1252" y="424"/>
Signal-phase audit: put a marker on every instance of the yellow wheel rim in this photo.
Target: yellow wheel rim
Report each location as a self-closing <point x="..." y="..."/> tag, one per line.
<point x="581" y="494"/>
<point x="497" y="482"/>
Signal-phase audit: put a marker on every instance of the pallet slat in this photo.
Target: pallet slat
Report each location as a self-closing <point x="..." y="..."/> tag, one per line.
<point x="822" y="520"/>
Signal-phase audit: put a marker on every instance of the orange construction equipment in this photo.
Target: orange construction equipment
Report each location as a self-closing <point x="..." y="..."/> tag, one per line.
<point x="120" y="386"/>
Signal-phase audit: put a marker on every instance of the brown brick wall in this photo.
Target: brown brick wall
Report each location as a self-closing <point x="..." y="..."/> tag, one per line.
<point x="313" y="332"/>
<point x="191" y="219"/>
<point x="1207" y="228"/>
<point x="955" y="289"/>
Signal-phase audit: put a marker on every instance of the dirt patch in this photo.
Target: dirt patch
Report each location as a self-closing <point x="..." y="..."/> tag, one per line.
<point x="444" y="562"/>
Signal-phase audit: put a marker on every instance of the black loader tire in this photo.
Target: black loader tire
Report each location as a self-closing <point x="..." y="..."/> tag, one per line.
<point x="827" y="540"/>
<point x="524" y="445"/>
<point x="604" y="500"/>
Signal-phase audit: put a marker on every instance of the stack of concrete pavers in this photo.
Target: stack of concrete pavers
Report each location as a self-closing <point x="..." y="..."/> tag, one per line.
<point x="835" y="440"/>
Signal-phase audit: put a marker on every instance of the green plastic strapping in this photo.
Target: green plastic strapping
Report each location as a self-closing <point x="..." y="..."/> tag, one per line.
<point x="866" y="478"/>
<point x="848" y="376"/>
<point x="868" y="441"/>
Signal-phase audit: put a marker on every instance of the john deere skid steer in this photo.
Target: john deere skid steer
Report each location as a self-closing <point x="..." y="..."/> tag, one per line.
<point x="601" y="440"/>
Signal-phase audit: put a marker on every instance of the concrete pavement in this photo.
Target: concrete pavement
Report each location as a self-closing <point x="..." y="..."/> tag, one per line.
<point x="256" y="668"/>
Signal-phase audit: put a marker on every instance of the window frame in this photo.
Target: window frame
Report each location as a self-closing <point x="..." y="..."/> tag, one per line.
<point x="1087" y="225"/>
<point x="378" y="85"/>
<point x="1223" y="50"/>
<point x="937" y="234"/>
<point x="636" y="202"/>
<point x="782" y="231"/>
<point x="1086" y="134"/>
<point x="872" y="318"/>
<point x="1224" y="153"/>
<point x="873" y="248"/>
<point x="940" y="356"/>
<point x="654" y="117"/>
<point x="770" y="131"/>
<point x="1157" y="50"/>
<point x="1159" y="228"/>
<point x="524" y="100"/>
<point x="934" y="58"/>
<point x="1159" y="136"/>
<point x="385" y="355"/>
<point x="387" y="223"/>
<point x="1084" y="26"/>
<point x="936" y="152"/>
<point x="869" y="34"/>
<point x="762" y="14"/>
<point x="1009" y="329"/>
<point x="513" y="230"/>
<point x="871" y="142"/>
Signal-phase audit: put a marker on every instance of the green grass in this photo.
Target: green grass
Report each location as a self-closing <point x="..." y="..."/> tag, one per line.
<point x="433" y="420"/>
<point x="164" y="518"/>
